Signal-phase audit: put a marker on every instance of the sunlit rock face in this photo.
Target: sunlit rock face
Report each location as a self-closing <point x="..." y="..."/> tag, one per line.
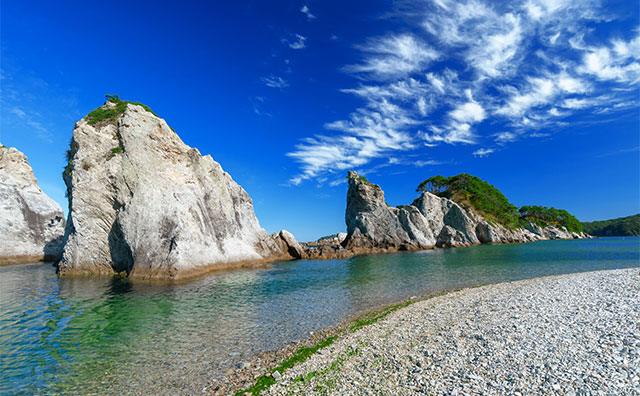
<point x="31" y="223"/>
<point x="142" y="202"/>
<point x="430" y="221"/>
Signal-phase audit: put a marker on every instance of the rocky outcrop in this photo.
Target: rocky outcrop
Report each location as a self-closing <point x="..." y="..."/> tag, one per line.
<point x="288" y="244"/>
<point x="143" y="203"/>
<point x="31" y="223"/>
<point x="430" y="221"/>
<point x="372" y="225"/>
<point x="332" y="239"/>
<point x="324" y="252"/>
<point x="295" y="250"/>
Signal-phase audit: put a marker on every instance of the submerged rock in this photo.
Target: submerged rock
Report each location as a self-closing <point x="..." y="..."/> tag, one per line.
<point x="142" y="202"/>
<point x="430" y="221"/>
<point x="31" y="223"/>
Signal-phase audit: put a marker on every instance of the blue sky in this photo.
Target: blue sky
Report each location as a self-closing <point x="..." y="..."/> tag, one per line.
<point x="538" y="97"/>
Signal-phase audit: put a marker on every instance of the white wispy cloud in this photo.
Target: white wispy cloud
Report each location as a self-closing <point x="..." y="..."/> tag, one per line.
<point x="555" y="112"/>
<point x="485" y="39"/>
<point x="620" y="151"/>
<point x="410" y="161"/>
<point x="458" y="129"/>
<point x="19" y="112"/>
<point x="470" y="112"/>
<point x="258" y="103"/>
<point x="620" y="61"/>
<point x="452" y="133"/>
<point x="483" y="152"/>
<point x="423" y="163"/>
<point x="539" y="134"/>
<point x="305" y="10"/>
<point x="369" y="133"/>
<point x="581" y="103"/>
<point x="298" y="43"/>
<point x="275" y="82"/>
<point x="538" y="92"/>
<point x="493" y="55"/>
<point x="40" y="130"/>
<point x="436" y="82"/>
<point x="405" y="89"/>
<point x="505" y="137"/>
<point x="393" y="56"/>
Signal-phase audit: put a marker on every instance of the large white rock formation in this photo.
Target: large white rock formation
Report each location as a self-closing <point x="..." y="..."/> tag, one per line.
<point x="31" y="223"/>
<point x="142" y="202"/>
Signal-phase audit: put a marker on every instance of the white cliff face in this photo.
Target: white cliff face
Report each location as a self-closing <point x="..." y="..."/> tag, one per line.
<point x="144" y="203"/>
<point x="31" y="223"/>
<point x="430" y="221"/>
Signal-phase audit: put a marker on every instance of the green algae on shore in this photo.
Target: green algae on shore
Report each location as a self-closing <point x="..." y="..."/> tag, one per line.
<point x="265" y="381"/>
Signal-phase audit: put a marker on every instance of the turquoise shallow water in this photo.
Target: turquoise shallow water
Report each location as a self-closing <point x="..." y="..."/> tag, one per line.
<point x="113" y="336"/>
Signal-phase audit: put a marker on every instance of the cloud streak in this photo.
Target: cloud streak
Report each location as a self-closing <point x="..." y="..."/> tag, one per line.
<point x="483" y="152"/>
<point x="368" y="133"/>
<point x="305" y="10"/>
<point x="298" y="43"/>
<point x="393" y="56"/>
<point x="275" y="82"/>
<point x="40" y="130"/>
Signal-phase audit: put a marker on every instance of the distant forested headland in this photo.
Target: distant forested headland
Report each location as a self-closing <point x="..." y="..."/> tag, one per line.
<point x="623" y="226"/>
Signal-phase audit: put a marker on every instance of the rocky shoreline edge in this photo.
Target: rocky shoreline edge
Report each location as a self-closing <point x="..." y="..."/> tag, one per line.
<point x="336" y="360"/>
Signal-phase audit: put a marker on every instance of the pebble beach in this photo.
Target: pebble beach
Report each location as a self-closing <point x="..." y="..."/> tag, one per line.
<point x="576" y="334"/>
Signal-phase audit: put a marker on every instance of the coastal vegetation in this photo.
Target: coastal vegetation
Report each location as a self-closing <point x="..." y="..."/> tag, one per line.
<point x="265" y="381"/>
<point x="68" y="155"/>
<point x="114" y="151"/>
<point x="410" y="353"/>
<point x="326" y="238"/>
<point x="111" y="114"/>
<point x="363" y="179"/>
<point x="543" y="216"/>
<point x="475" y="194"/>
<point x="67" y="172"/>
<point x="622" y="226"/>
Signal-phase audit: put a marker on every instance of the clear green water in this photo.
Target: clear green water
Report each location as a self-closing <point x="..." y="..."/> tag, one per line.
<point x="112" y="336"/>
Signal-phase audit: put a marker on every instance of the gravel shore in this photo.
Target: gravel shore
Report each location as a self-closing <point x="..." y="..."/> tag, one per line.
<point x="575" y="334"/>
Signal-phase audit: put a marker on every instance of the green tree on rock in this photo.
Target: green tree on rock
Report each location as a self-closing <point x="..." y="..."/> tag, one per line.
<point x="544" y="216"/>
<point x="435" y="184"/>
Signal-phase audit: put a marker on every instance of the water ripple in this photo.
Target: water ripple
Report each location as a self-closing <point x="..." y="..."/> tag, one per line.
<point x="105" y="336"/>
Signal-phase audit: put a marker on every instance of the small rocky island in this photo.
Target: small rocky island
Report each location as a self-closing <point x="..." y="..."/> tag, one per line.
<point x="434" y="220"/>
<point x="31" y="223"/>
